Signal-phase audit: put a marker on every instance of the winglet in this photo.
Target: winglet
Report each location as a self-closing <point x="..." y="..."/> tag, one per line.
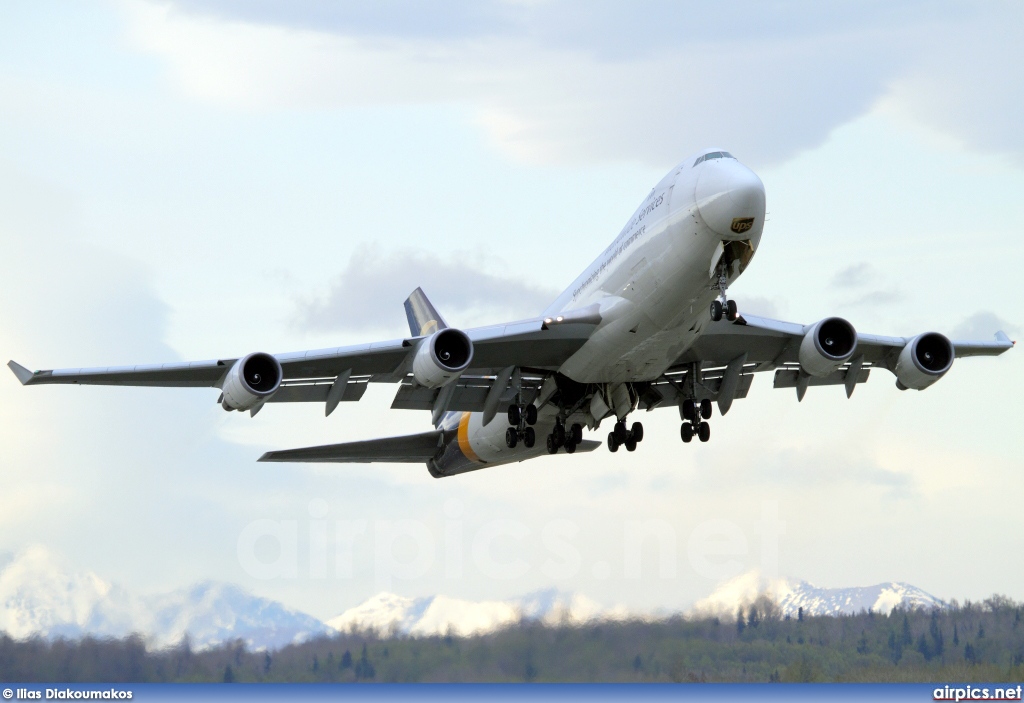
<point x="1001" y="337"/>
<point x="423" y="316"/>
<point x="23" y="374"/>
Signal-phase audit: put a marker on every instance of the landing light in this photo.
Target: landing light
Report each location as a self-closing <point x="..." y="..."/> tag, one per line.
<point x="559" y="318"/>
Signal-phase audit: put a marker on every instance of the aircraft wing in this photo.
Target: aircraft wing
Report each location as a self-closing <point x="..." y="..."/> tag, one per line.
<point x="533" y="344"/>
<point x="729" y="353"/>
<point x="772" y="343"/>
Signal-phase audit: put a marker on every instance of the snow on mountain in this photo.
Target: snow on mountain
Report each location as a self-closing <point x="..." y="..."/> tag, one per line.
<point x="212" y="612"/>
<point x="39" y="595"/>
<point x="438" y="615"/>
<point x="792" y="594"/>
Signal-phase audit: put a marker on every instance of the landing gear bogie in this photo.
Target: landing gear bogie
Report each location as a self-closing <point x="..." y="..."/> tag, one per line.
<point x="621" y="437"/>
<point x="530" y="437"/>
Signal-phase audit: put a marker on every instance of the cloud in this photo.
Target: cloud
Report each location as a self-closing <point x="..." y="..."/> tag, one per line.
<point x="965" y="86"/>
<point x="886" y="296"/>
<point x="854" y="276"/>
<point x="558" y="82"/>
<point x="761" y="306"/>
<point x="820" y="467"/>
<point x="369" y="293"/>
<point x="983" y="325"/>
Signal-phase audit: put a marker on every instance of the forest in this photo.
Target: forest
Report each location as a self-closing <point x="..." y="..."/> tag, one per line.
<point x="969" y="642"/>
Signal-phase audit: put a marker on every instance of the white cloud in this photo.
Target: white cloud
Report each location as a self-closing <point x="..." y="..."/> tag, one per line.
<point x="559" y="82"/>
<point x="368" y="294"/>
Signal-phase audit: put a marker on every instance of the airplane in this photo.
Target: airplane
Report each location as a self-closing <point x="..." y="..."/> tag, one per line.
<point x="649" y="324"/>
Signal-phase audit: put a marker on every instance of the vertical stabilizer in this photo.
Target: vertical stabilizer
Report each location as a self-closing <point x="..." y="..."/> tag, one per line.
<point x="423" y="317"/>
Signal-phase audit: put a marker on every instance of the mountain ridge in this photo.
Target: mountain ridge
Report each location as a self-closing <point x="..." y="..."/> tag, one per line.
<point x="40" y="596"/>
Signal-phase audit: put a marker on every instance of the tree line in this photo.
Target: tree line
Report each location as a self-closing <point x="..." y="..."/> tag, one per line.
<point x="969" y="642"/>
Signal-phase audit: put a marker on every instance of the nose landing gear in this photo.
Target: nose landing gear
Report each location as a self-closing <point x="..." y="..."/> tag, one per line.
<point x="722" y="305"/>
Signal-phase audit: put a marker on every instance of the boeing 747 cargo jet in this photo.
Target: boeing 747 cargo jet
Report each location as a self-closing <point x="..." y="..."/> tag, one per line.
<point x="647" y="325"/>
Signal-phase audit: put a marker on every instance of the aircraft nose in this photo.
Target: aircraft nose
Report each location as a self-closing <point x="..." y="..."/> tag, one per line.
<point x="730" y="199"/>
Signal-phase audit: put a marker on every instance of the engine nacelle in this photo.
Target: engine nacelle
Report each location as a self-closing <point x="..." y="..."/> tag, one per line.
<point x="827" y="345"/>
<point x="924" y="361"/>
<point x="252" y="379"/>
<point x="442" y="357"/>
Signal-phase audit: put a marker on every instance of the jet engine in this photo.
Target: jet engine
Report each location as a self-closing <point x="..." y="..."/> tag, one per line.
<point x="828" y="345"/>
<point x="923" y="361"/>
<point x="252" y="379"/>
<point x="442" y="357"/>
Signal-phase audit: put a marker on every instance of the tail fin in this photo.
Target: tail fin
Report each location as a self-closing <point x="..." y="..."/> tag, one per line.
<point x="423" y="317"/>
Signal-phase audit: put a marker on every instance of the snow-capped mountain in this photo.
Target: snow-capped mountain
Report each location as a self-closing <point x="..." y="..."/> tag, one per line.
<point x="438" y="615"/>
<point x="213" y="612"/>
<point x="792" y="594"/>
<point x="40" y="596"/>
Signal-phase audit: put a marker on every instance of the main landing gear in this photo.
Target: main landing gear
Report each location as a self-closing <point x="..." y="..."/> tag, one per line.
<point x="620" y="436"/>
<point x="696" y="417"/>
<point x="722" y="304"/>
<point x="521" y="418"/>
<point x="560" y="437"/>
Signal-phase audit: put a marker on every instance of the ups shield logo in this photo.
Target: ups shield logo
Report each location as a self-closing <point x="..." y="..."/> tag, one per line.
<point x="741" y="224"/>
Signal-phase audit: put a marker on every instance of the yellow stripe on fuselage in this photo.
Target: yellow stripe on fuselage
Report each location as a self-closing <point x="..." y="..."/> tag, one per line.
<point x="464" y="445"/>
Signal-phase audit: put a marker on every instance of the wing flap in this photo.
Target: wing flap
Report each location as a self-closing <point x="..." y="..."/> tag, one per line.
<point x="316" y="392"/>
<point x="789" y="378"/>
<point x="416" y="448"/>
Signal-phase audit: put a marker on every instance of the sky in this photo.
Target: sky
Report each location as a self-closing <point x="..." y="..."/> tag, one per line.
<point x="202" y="179"/>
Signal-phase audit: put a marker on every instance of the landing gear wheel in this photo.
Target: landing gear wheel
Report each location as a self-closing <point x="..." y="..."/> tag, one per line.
<point x="570" y="447"/>
<point x="731" y="312"/>
<point x="620" y="432"/>
<point x="686" y="432"/>
<point x="511" y="438"/>
<point x="689" y="409"/>
<point x="613" y="444"/>
<point x="705" y="409"/>
<point x="716" y="310"/>
<point x="630" y="445"/>
<point x="552" y="447"/>
<point x="704" y="432"/>
<point x="636" y="433"/>
<point x="576" y="433"/>
<point x="559" y="434"/>
<point x="514" y="415"/>
<point x="530" y="437"/>
<point x="531" y="414"/>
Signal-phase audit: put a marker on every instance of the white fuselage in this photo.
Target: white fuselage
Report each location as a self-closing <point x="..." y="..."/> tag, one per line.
<point x="653" y="286"/>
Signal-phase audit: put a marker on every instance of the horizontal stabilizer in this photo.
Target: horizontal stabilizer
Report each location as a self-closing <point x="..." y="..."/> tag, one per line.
<point x="415" y="448"/>
<point x="23" y="374"/>
<point x="588" y="445"/>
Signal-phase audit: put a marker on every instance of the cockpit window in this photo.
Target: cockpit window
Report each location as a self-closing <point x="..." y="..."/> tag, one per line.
<point x="714" y="155"/>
